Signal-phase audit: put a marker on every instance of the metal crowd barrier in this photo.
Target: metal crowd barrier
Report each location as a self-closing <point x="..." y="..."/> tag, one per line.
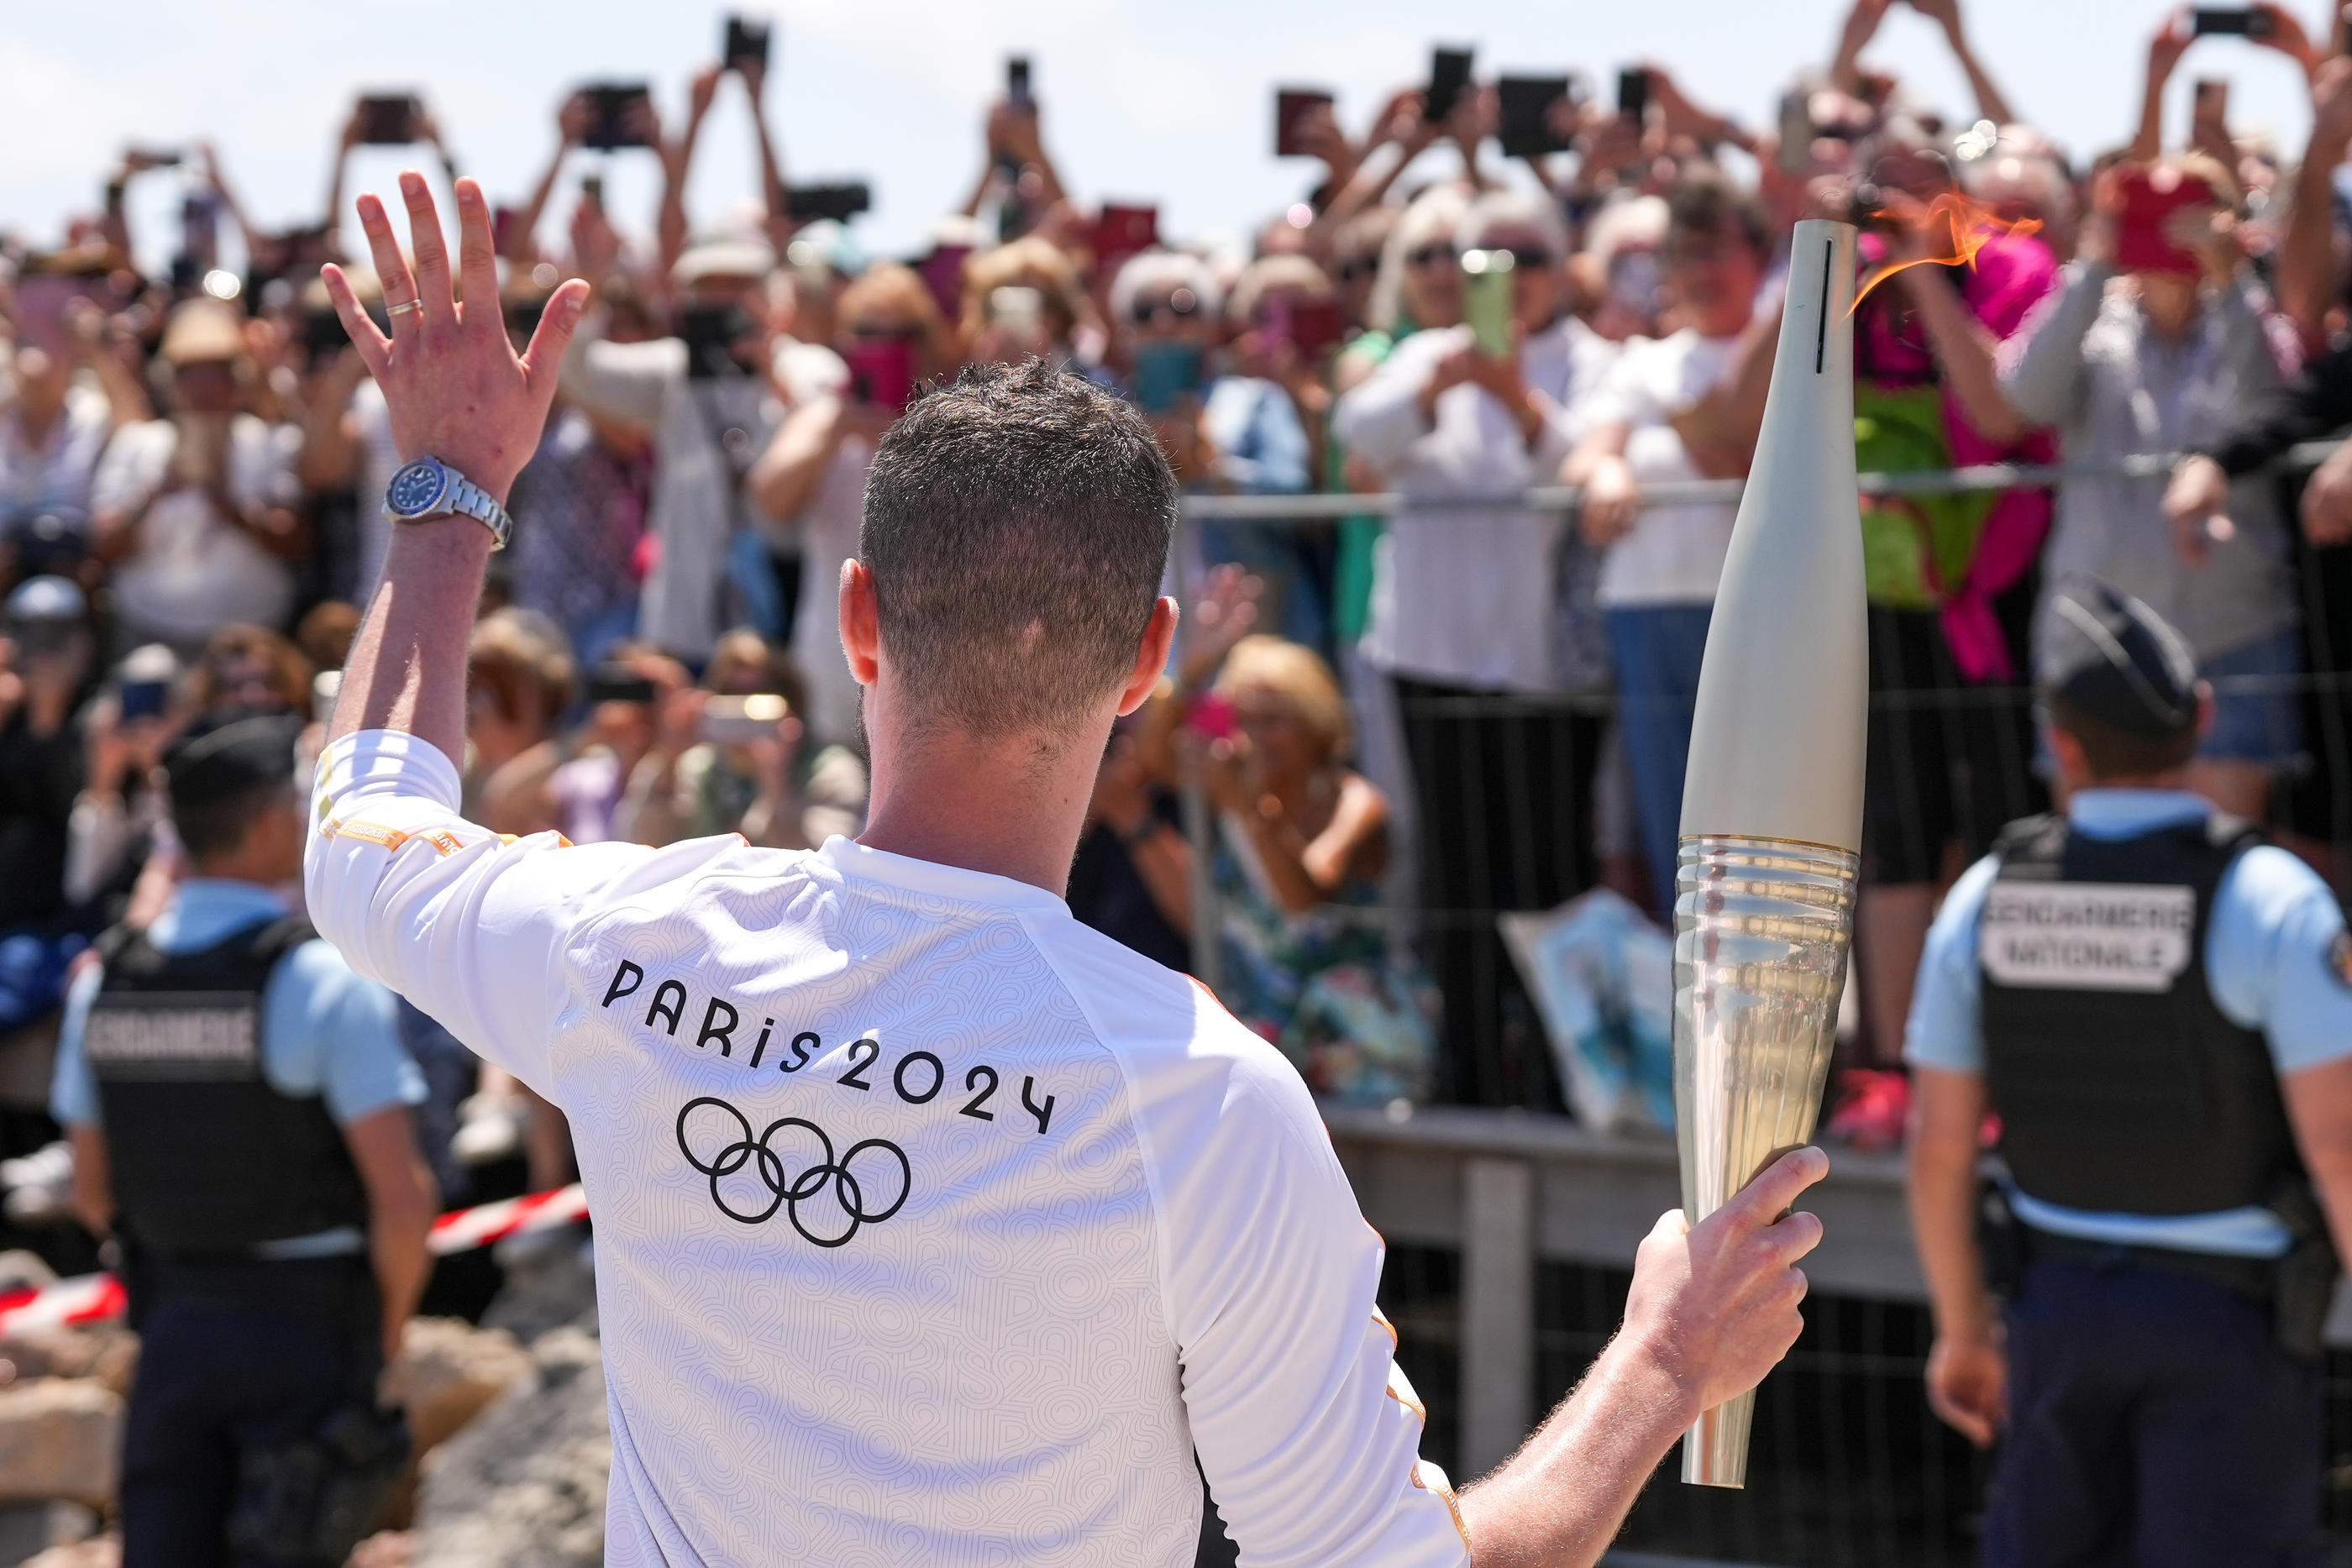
<point x="1511" y="1233"/>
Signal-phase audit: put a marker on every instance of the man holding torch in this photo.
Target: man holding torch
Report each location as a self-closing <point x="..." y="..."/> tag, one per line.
<point x="931" y="1226"/>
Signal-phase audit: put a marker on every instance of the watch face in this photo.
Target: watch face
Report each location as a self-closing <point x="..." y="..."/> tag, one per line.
<point x="415" y="489"/>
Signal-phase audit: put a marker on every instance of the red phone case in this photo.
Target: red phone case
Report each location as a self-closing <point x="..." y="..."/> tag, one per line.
<point x="2141" y="244"/>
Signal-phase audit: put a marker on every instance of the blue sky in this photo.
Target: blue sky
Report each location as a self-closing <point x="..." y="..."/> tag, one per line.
<point x="1171" y="102"/>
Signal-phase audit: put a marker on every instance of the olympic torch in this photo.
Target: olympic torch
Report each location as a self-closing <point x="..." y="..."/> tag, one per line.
<point x="1771" y="829"/>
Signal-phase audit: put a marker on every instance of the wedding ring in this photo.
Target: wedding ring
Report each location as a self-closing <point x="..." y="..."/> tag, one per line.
<point x="418" y="304"/>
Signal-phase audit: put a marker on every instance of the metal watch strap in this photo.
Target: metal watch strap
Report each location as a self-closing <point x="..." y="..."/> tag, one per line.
<point x="470" y="500"/>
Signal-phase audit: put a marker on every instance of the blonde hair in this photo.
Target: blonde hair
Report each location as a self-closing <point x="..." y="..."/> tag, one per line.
<point x="1029" y="262"/>
<point x="1295" y="274"/>
<point x="1297" y="675"/>
<point x="1435" y="214"/>
<point x="523" y="659"/>
<point x="896" y="287"/>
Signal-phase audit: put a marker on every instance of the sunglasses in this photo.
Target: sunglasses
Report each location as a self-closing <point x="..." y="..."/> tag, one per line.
<point x="1524" y="257"/>
<point x="1356" y="269"/>
<point x="1182" y="304"/>
<point x="874" y="332"/>
<point x="1430" y="254"/>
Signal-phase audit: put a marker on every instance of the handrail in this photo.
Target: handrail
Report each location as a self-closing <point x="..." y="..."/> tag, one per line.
<point x="1305" y="507"/>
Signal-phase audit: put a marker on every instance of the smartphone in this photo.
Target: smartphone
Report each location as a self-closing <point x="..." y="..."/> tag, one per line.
<point x="1449" y="73"/>
<point x="731" y="721"/>
<point x="1292" y="105"/>
<point x="152" y="157"/>
<point x="142" y="699"/>
<point x="2210" y="100"/>
<point x="2149" y="200"/>
<point x="1165" y="374"/>
<point x="1795" y="153"/>
<point x="942" y="274"/>
<point x="1314" y="326"/>
<point x="1121" y="231"/>
<point x="1634" y="92"/>
<point x="612" y="122"/>
<point x="592" y="189"/>
<point x="388" y="118"/>
<point x="1527" y="105"/>
<point x="710" y="333"/>
<point x="1487" y="299"/>
<point x="1211" y="715"/>
<point x="620" y="684"/>
<point x="747" y="42"/>
<point x="840" y="202"/>
<point x="881" y="372"/>
<point x="1016" y="80"/>
<point x="2229" y="21"/>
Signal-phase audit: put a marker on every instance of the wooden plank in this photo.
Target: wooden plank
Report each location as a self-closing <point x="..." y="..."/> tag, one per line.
<point x="1498" y="1310"/>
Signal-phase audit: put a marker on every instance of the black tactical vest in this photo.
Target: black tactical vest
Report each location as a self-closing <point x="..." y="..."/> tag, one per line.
<point x="2121" y="1087"/>
<point x="208" y="1159"/>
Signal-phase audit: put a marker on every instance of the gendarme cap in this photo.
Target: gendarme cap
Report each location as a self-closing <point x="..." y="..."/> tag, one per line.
<point x="213" y="761"/>
<point x="2117" y="660"/>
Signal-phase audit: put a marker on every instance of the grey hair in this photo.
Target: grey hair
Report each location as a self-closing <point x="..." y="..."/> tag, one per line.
<point x="1635" y="222"/>
<point x="1511" y="209"/>
<point x="1170" y="269"/>
<point x="1435" y="214"/>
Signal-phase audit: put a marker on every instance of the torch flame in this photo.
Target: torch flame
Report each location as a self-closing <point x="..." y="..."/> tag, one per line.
<point x="1971" y="225"/>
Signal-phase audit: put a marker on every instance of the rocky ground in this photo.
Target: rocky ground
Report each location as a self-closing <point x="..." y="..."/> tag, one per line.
<point x="509" y="1418"/>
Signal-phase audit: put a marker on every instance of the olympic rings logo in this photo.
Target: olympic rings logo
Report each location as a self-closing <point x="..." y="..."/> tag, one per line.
<point x="789" y="1191"/>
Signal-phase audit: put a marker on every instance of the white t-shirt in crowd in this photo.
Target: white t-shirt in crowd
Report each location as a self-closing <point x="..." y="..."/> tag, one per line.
<point x="190" y="571"/>
<point x="56" y="478"/>
<point x="932" y="1226"/>
<point x="1467" y="593"/>
<point x="1675" y="553"/>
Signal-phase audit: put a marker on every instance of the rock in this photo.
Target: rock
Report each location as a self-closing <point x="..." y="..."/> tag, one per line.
<point x="385" y="1549"/>
<point x="106" y="1552"/>
<point x="28" y="1529"/>
<point x="523" y="1485"/>
<point x="447" y="1371"/>
<point x="106" y="1352"/>
<point x="60" y="1437"/>
<point x="551" y="1283"/>
<point x="20" y="1270"/>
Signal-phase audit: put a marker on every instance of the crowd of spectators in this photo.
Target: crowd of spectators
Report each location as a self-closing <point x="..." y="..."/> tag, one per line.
<point x="1459" y="706"/>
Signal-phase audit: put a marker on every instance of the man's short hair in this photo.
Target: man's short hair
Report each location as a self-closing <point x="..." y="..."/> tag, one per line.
<point x="2112" y="751"/>
<point x="1017" y="522"/>
<point x="216" y="828"/>
<point x="1705" y="201"/>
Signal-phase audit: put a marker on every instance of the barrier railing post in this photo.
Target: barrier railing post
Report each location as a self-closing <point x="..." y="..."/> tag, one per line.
<point x="1193" y="797"/>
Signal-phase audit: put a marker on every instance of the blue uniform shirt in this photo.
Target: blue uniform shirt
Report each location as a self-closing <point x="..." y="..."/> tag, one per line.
<point x="2268" y="950"/>
<point x="324" y="1030"/>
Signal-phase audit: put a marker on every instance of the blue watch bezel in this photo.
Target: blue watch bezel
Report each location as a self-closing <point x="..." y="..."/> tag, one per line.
<point x="436" y="502"/>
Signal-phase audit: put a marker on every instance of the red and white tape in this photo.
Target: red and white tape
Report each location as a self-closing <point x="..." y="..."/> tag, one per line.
<point x="98" y="1298"/>
<point x="471" y="1228"/>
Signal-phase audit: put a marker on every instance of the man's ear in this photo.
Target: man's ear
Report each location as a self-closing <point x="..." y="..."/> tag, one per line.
<point x="2206" y="711"/>
<point x="861" y="621"/>
<point x="1150" y="656"/>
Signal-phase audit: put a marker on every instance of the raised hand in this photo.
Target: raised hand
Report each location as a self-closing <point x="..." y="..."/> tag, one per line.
<point x="453" y="386"/>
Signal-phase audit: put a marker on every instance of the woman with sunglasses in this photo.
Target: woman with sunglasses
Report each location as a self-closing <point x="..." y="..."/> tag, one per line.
<point x="1464" y="612"/>
<point x="1222" y="431"/>
<point x="810" y="484"/>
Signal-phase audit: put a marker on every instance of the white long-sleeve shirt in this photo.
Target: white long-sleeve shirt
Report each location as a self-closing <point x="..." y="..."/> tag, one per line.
<point x="932" y="1226"/>
<point x="1468" y="592"/>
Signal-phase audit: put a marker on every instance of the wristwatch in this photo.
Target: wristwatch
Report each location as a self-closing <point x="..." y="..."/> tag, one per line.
<point x="429" y="488"/>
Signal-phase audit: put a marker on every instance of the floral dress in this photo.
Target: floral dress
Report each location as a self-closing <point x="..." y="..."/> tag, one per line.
<point x="1360" y="1023"/>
